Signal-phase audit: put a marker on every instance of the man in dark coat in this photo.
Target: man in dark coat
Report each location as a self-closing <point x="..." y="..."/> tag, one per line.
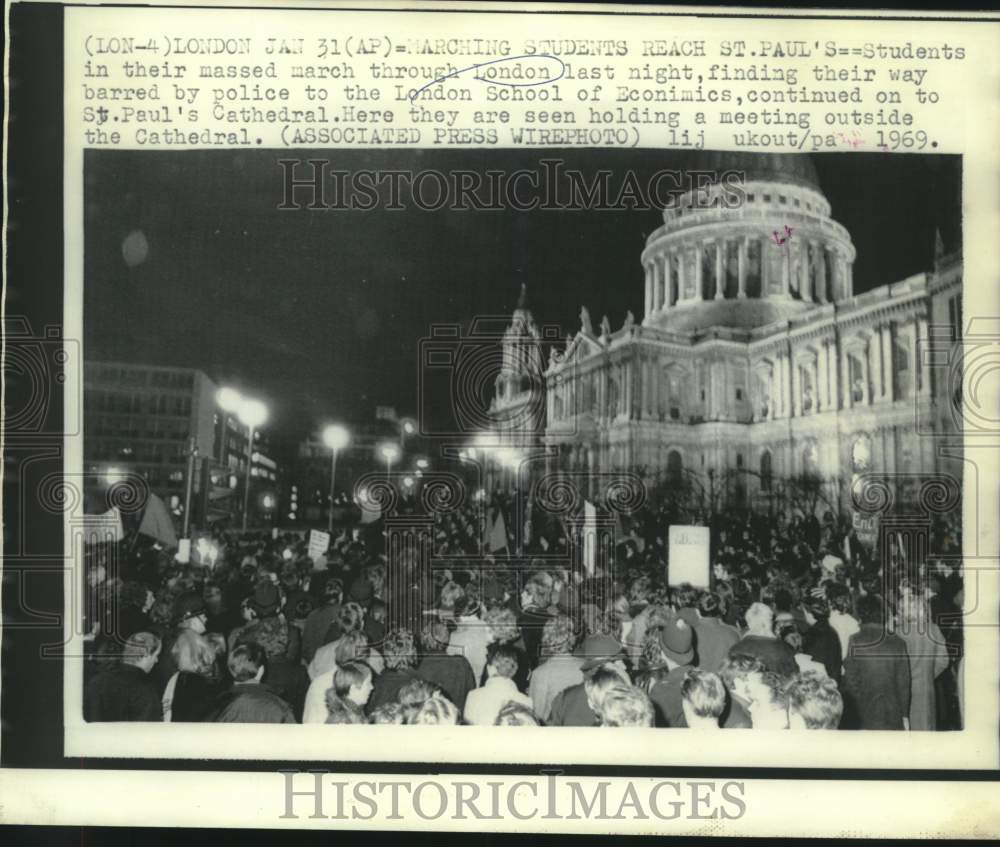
<point x="249" y="700"/>
<point x="318" y="627"/>
<point x="452" y="673"/>
<point x="821" y="641"/>
<point x="876" y="672"/>
<point x="126" y="692"/>
<point x="761" y="642"/>
<point x="571" y="706"/>
<point x="535" y="599"/>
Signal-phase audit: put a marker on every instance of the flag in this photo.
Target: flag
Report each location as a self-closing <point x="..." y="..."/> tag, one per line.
<point x="498" y="534"/>
<point x="156" y="522"/>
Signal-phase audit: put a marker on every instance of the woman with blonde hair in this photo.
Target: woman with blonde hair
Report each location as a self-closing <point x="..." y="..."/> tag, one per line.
<point x="502" y="628"/>
<point x="191" y="690"/>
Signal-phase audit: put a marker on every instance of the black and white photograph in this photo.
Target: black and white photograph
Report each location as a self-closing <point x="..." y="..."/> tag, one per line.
<point x="550" y="439"/>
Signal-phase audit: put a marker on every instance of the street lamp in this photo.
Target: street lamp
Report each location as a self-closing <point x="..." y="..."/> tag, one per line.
<point x="336" y="438"/>
<point x="252" y="414"/>
<point x="389" y="452"/>
<point x="409" y="426"/>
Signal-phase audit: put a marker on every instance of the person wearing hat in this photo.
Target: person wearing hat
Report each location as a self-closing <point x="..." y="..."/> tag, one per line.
<point x="675" y="645"/>
<point x="319" y="625"/>
<point x="571" y="706"/>
<point x="281" y="642"/>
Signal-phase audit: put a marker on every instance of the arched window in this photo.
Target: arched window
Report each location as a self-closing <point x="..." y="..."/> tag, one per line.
<point x="810" y="461"/>
<point x="765" y="471"/>
<point x="675" y="466"/>
<point x="901" y="368"/>
<point x="856" y="374"/>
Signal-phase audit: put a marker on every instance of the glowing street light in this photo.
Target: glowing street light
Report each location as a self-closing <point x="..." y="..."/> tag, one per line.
<point x="113" y="475"/>
<point x="409" y="426"/>
<point x="390" y="452"/>
<point x="422" y="464"/>
<point x="336" y="437"/>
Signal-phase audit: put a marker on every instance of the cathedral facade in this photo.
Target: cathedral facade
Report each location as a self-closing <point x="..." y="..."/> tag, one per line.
<point x="754" y="363"/>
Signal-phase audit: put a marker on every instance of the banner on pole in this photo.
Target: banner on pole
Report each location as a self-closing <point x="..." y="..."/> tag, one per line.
<point x="690" y="558"/>
<point x="866" y="529"/>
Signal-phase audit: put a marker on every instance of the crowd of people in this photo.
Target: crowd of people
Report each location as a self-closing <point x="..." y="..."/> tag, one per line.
<point x="800" y="626"/>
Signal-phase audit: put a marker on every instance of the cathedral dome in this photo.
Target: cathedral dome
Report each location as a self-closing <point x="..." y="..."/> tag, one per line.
<point x="793" y="168"/>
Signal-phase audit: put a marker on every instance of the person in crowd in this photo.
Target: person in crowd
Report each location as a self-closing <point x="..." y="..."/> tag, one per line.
<point x="134" y="603"/>
<point x="375" y="622"/>
<point x="471" y="636"/>
<point x="928" y="654"/>
<point x="876" y="672"/>
<point x="572" y="706"/>
<point x="451" y="593"/>
<point x="703" y="699"/>
<point x="736" y="673"/>
<point x="219" y="616"/>
<point x="535" y="599"/>
<point x="814" y="702"/>
<point x="250" y="700"/>
<point x="188" y="614"/>
<point x="400" y="668"/>
<point x="761" y="642"/>
<point x="320" y="625"/>
<point x="841" y="620"/>
<point x="452" y="673"/>
<point x="125" y="691"/>
<point x="559" y="668"/>
<point x="514" y="714"/>
<point x="281" y="642"/>
<point x="414" y="694"/>
<point x="667" y="654"/>
<point x="388" y="713"/>
<point x="625" y="705"/>
<point x="436" y="711"/>
<point x="484" y="704"/>
<point x="641" y="611"/>
<point x="346" y="698"/>
<point x="713" y="638"/>
<point x="194" y="687"/>
<point x="788" y="631"/>
<point x="768" y="701"/>
<point x="821" y="641"/>
<point x="350" y="619"/>
<point x="501" y="624"/>
<point x="352" y="647"/>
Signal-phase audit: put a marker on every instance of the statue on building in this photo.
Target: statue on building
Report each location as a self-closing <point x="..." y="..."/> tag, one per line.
<point x="605" y="327"/>
<point x="585" y="324"/>
<point x="629" y="320"/>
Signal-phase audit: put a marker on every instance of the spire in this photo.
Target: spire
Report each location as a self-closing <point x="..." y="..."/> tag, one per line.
<point x="938" y="246"/>
<point x="522" y="300"/>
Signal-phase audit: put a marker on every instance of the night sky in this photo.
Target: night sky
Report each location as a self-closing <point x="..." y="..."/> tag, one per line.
<point x="320" y="312"/>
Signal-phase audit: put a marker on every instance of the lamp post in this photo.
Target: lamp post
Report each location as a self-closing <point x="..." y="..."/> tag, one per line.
<point x="252" y="414"/>
<point x="336" y="438"/>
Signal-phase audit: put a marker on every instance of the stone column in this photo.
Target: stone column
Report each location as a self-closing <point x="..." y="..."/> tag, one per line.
<point x="796" y="390"/>
<point x="786" y="385"/>
<point x="921" y="351"/>
<point x="698" y="272"/>
<point x="741" y="266"/>
<point x="720" y="270"/>
<point x="874" y="362"/>
<point x="764" y="265"/>
<point x="819" y="252"/>
<point x="846" y="387"/>
<point x="786" y="271"/>
<point x="814" y="371"/>
<point x="667" y="282"/>
<point x="833" y="374"/>
<point x="681" y="275"/>
<point x="888" y="389"/>
<point x="822" y="382"/>
<point x="649" y="288"/>
<point x="805" y="287"/>
<point x="657" y="285"/>
<point x="848" y="278"/>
